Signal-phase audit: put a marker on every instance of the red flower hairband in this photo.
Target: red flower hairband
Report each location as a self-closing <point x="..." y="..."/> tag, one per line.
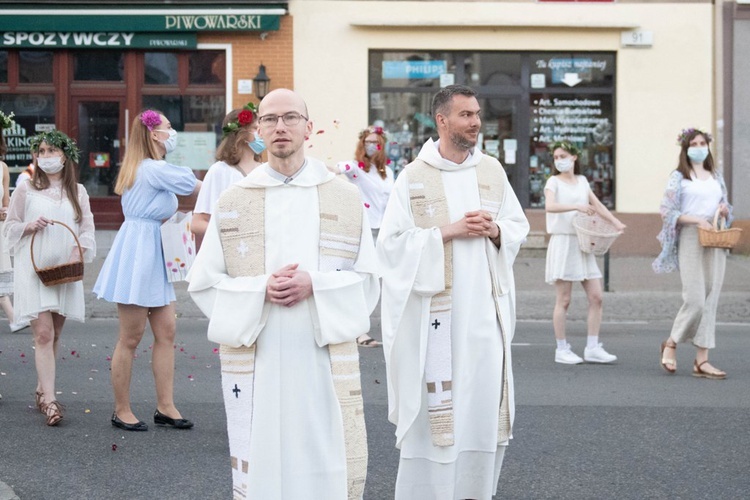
<point x="244" y="117"/>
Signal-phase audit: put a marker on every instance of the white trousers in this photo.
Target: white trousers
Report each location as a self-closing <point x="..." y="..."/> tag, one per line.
<point x="702" y="275"/>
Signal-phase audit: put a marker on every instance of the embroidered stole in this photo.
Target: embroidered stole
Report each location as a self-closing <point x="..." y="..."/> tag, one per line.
<point x="241" y="213"/>
<point x="430" y="209"/>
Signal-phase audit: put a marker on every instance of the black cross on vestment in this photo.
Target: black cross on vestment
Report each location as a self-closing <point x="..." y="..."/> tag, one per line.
<point x="236" y="391"/>
<point x="436" y="324"/>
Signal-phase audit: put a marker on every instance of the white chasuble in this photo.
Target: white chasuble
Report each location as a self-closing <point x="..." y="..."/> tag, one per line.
<point x="286" y="422"/>
<point x="413" y="264"/>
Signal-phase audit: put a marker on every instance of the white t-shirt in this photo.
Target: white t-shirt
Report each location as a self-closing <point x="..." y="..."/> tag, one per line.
<point x="218" y="178"/>
<point x="567" y="194"/>
<point x="373" y="189"/>
<point x="700" y="198"/>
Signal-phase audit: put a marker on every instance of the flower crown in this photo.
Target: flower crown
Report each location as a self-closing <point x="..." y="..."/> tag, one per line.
<point x="6" y="121"/>
<point x="687" y="132"/>
<point x="371" y="130"/>
<point x="150" y="119"/>
<point x="567" y="146"/>
<point x="244" y="117"/>
<point x="60" y="141"/>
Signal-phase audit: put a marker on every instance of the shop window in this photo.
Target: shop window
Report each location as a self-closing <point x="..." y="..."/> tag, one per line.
<point x="207" y="66"/>
<point x="197" y="118"/>
<point x="35" y="66"/>
<point x="494" y="69"/>
<point x="31" y="110"/>
<point x="161" y="68"/>
<point x="572" y="70"/>
<point x="3" y="66"/>
<point x="586" y="120"/>
<point x="98" y="65"/>
<point x="410" y="69"/>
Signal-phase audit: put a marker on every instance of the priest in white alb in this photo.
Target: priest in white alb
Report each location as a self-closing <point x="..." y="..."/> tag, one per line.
<point x="287" y="274"/>
<point x="447" y="243"/>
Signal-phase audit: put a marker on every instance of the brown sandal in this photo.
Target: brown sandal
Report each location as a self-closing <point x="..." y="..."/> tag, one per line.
<point x="38" y="401"/>
<point x="56" y="414"/>
<point x="669" y="364"/>
<point x="700" y="373"/>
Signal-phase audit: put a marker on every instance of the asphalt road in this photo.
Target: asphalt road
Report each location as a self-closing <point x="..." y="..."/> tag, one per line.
<point x="622" y="431"/>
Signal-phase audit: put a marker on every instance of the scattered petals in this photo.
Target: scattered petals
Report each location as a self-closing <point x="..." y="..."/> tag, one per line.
<point x="367" y="205"/>
<point x="23" y="355"/>
<point x="192" y="357"/>
<point x="114" y="447"/>
<point x="94" y="370"/>
<point x="320" y="132"/>
<point x="190" y="377"/>
<point x="86" y="411"/>
<point x="361" y="165"/>
<point x="109" y="358"/>
<point x="216" y="350"/>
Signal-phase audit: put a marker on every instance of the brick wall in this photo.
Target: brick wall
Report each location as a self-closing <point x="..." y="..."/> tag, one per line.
<point x="249" y="50"/>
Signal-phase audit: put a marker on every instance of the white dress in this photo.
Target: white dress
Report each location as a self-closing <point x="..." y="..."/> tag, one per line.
<point x="565" y="260"/>
<point x="218" y="178"/>
<point x="6" y="269"/>
<point x="373" y="189"/>
<point x="53" y="245"/>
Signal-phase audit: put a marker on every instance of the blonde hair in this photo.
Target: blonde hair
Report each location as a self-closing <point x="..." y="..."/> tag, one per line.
<point x="140" y="147"/>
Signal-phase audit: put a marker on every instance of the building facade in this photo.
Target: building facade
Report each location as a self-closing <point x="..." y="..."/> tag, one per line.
<point x="88" y="68"/>
<point x="620" y="79"/>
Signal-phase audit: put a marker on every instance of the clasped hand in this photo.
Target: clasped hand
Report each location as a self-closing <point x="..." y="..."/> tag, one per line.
<point x="474" y="224"/>
<point x="34" y="226"/>
<point x="288" y="286"/>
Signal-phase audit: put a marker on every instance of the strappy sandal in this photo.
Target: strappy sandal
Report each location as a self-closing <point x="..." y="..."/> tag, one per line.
<point x="38" y="401"/>
<point x="669" y="364"/>
<point x="57" y="410"/>
<point x="700" y="373"/>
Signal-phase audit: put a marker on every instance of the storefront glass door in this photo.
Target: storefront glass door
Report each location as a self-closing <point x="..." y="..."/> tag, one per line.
<point x="100" y="135"/>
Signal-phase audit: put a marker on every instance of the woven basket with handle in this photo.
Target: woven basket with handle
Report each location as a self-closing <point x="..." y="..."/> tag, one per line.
<point x="719" y="236"/>
<point x="62" y="273"/>
<point x="595" y="235"/>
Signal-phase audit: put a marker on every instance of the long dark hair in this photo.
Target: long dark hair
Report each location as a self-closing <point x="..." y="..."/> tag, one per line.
<point x="40" y="181"/>
<point x="684" y="166"/>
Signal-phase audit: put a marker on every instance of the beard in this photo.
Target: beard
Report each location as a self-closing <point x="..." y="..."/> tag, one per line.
<point x="461" y="142"/>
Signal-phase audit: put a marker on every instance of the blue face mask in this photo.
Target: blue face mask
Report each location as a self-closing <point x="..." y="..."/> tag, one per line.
<point x="698" y="154"/>
<point x="257" y="145"/>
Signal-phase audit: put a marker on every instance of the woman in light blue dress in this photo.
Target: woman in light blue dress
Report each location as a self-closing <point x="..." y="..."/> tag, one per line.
<point x="134" y="275"/>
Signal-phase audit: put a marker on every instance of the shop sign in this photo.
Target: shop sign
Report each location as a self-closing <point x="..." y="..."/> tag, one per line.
<point x="414" y="70"/>
<point x="572" y="70"/>
<point x="99" y="40"/>
<point x="137" y="22"/>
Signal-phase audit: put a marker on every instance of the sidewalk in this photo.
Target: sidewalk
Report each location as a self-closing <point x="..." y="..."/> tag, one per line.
<point x="635" y="291"/>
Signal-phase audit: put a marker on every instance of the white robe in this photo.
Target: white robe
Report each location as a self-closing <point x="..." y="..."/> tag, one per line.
<point x="297" y="443"/>
<point x="411" y="263"/>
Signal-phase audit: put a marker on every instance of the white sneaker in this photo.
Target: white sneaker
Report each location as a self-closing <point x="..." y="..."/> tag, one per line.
<point x="16" y="327"/>
<point x="567" y="356"/>
<point x="598" y="355"/>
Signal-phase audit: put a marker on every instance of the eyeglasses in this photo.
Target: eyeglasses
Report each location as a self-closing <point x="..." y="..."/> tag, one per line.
<point x="290" y="119"/>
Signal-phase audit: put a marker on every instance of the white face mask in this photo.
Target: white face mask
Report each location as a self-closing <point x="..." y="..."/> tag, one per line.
<point x="564" y="164"/>
<point x="371" y="149"/>
<point x="171" y="143"/>
<point x="50" y="165"/>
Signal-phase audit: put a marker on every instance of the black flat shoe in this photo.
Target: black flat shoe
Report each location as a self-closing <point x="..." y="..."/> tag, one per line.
<point x="138" y="426"/>
<point x="177" y="423"/>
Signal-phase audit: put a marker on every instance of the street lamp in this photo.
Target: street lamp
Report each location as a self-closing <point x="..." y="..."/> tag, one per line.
<point x="261" y="82"/>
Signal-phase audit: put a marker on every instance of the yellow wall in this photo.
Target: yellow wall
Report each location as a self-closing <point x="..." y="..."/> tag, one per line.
<point x="659" y="90"/>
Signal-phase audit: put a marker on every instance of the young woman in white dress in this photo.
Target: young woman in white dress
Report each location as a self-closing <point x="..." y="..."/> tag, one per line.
<point x="51" y="194"/>
<point x="237" y="155"/>
<point x="6" y="269"/>
<point x="370" y="172"/>
<point x="567" y="193"/>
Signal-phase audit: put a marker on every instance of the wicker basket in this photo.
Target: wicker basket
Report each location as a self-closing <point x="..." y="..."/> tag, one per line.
<point x="719" y="236"/>
<point x="62" y="273"/>
<point x="595" y="235"/>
